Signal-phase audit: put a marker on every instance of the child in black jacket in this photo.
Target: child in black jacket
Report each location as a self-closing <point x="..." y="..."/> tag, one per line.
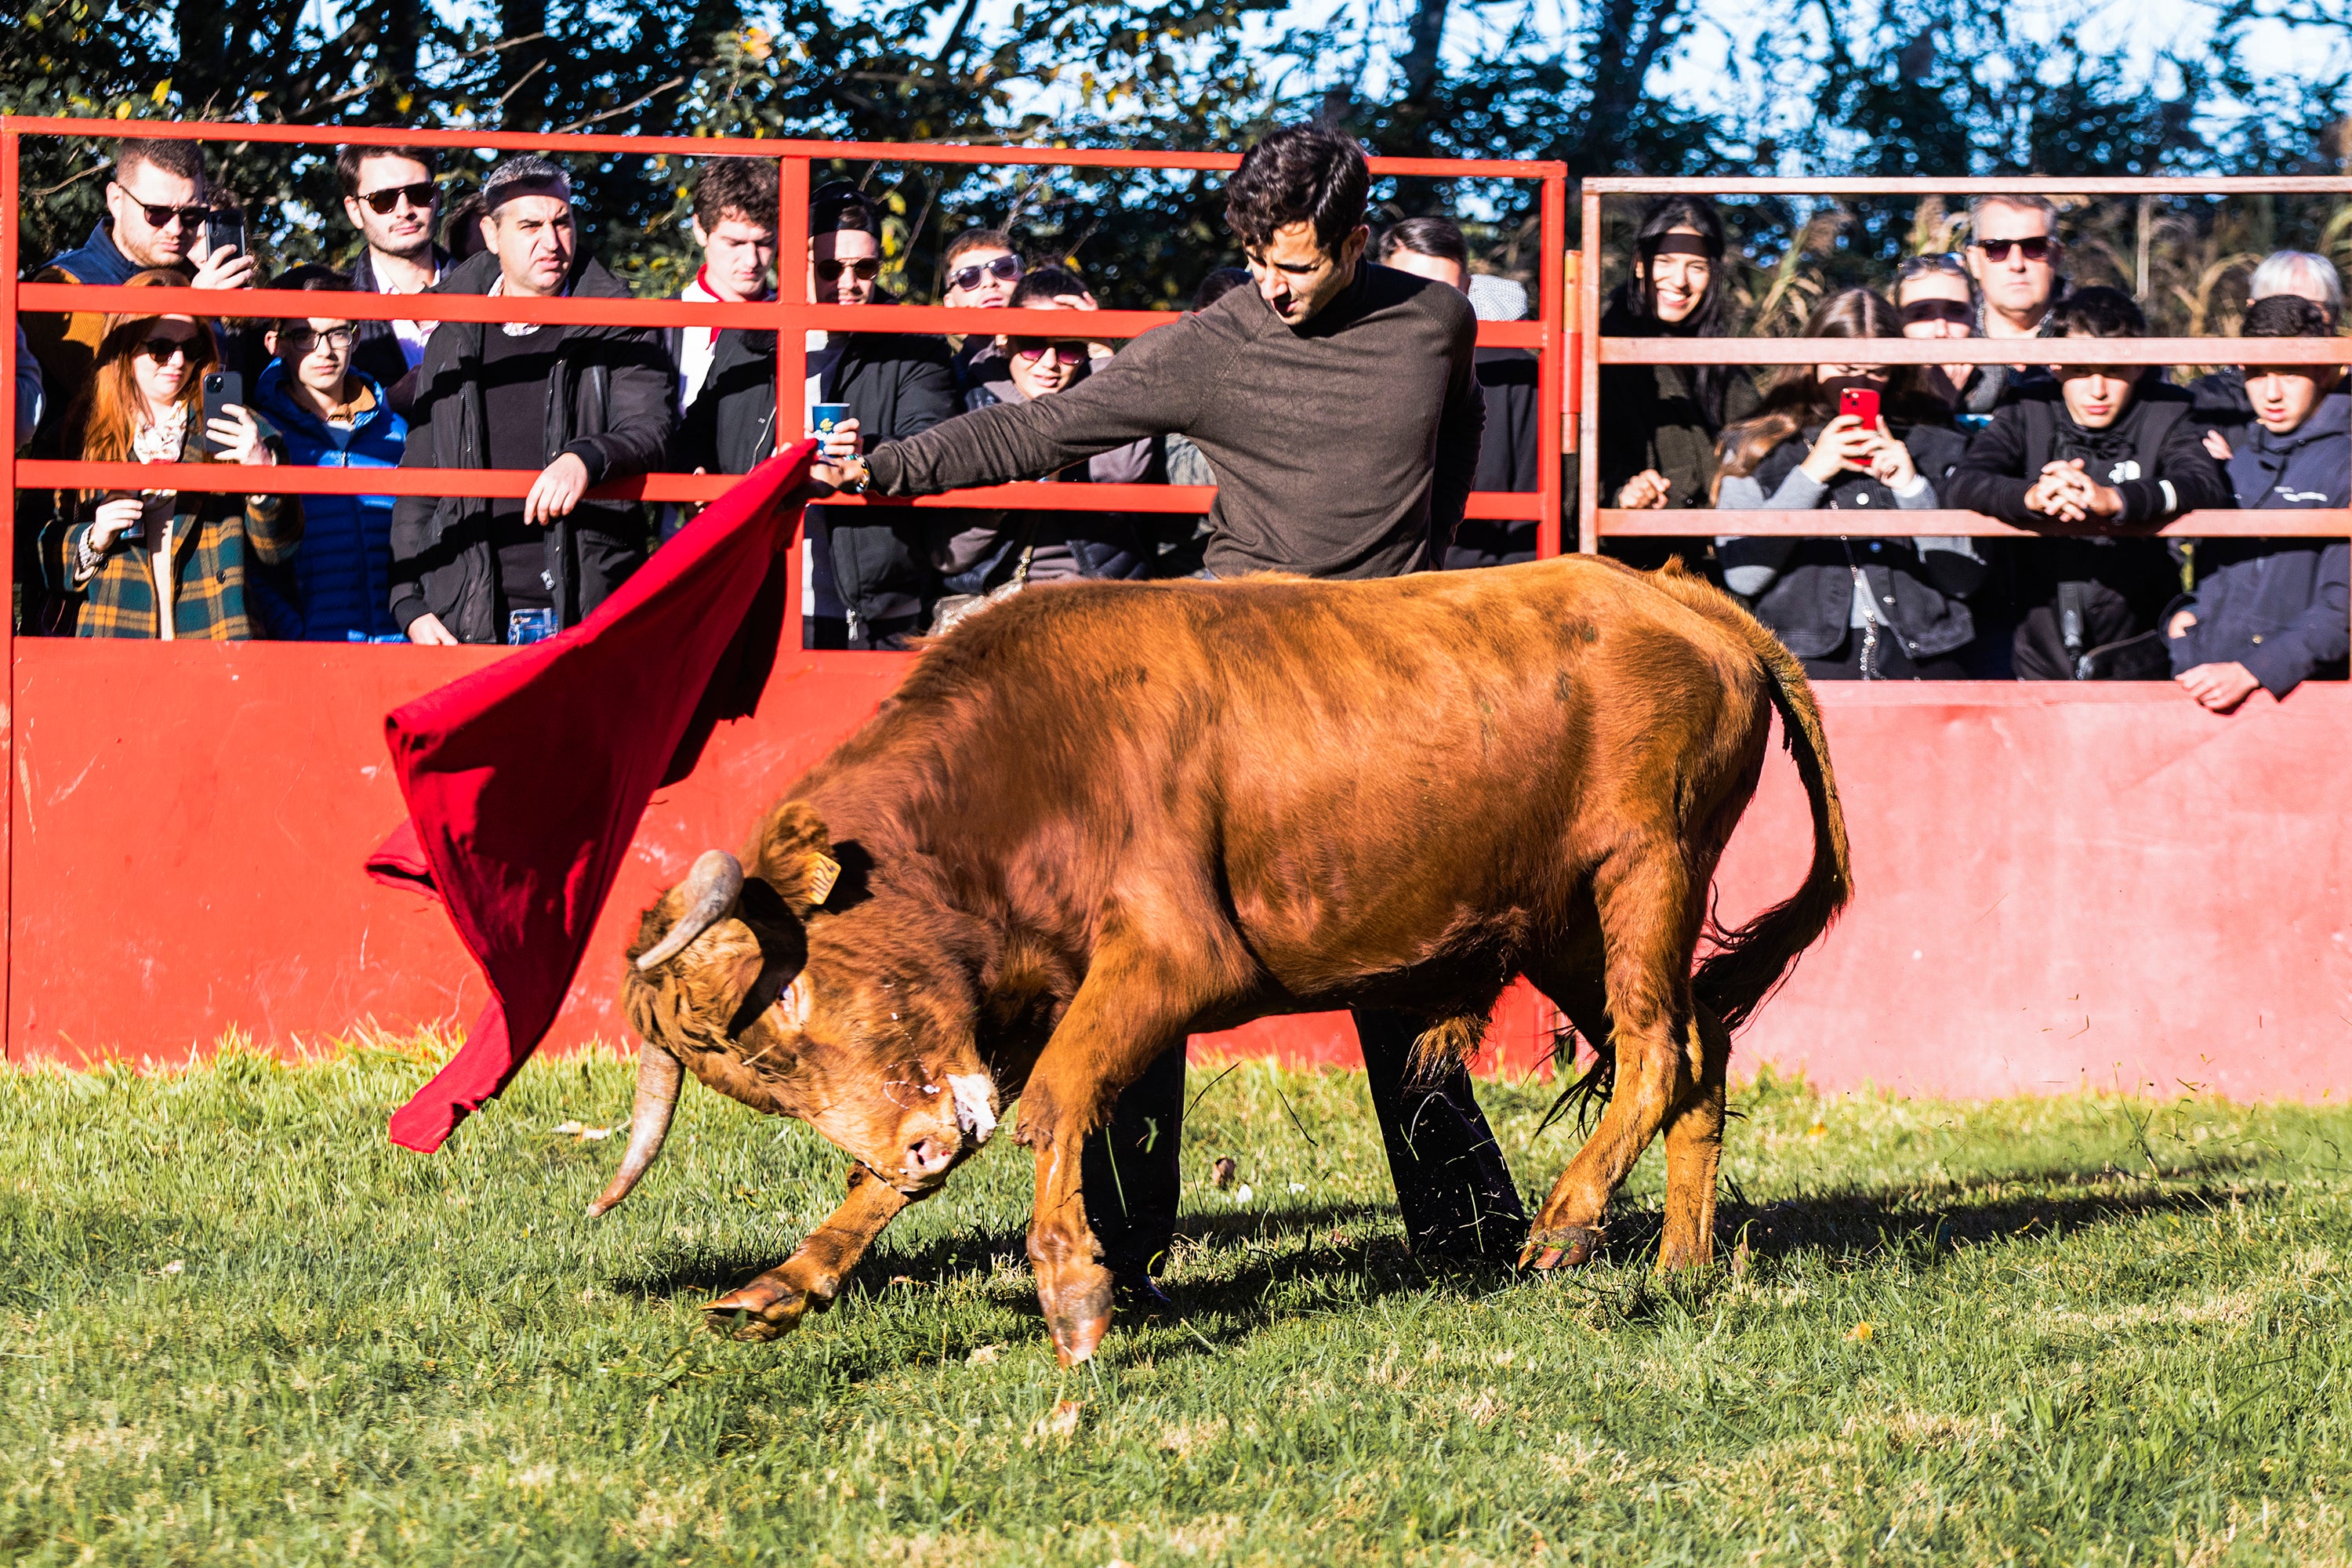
<point x="2106" y="446"/>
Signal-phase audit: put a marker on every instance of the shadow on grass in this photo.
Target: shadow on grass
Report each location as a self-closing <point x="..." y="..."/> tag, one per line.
<point x="1256" y="1257"/>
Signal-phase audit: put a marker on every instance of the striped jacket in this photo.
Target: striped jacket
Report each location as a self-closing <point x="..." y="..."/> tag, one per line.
<point x="215" y="540"/>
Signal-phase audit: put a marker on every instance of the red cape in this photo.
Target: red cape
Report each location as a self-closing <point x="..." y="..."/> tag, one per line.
<point x="525" y="780"/>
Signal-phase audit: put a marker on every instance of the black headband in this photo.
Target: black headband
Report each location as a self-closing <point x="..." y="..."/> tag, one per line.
<point x="1683" y="245"/>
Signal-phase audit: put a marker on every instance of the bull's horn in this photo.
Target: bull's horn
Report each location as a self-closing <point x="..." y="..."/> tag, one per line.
<point x="657" y="1079"/>
<point x="711" y="888"/>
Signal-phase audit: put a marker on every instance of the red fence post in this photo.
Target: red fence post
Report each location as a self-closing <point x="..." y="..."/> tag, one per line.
<point x="1553" y="373"/>
<point x="791" y="369"/>
<point x="1588" y="461"/>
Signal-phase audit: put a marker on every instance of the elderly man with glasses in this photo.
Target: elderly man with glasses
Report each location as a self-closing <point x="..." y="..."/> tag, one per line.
<point x="391" y="198"/>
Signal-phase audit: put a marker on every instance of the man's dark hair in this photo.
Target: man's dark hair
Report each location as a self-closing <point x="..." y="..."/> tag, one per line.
<point x="840" y="205"/>
<point x="1047" y="283"/>
<point x="736" y="187"/>
<point x="2097" y="314"/>
<point x="461" y="231"/>
<point x="1435" y="237"/>
<point x="185" y="159"/>
<point x="1219" y="284"/>
<point x="349" y="159"/>
<point x="1300" y="174"/>
<point x="2286" y="316"/>
<point x="977" y="239"/>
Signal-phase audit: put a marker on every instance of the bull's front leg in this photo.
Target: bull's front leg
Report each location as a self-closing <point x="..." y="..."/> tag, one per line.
<point x="808" y="1280"/>
<point x="1133" y="1006"/>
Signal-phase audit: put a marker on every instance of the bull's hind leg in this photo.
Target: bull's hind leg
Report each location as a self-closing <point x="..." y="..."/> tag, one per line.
<point x="1649" y="927"/>
<point x="808" y="1280"/>
<point x="1693" y="1138"/>
<point x="1133" y="1005"/>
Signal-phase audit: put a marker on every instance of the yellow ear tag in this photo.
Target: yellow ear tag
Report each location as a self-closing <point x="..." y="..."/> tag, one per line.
<point x="823" y="871"/>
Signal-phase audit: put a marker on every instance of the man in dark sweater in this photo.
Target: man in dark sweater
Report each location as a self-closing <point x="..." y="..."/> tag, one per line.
<point x="1339" y="405"/>
<point x="576" y="404"/>
<point x="2112" y="446"/>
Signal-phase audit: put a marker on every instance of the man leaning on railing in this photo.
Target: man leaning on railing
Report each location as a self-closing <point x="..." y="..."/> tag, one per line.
<point x="579" y="403"/>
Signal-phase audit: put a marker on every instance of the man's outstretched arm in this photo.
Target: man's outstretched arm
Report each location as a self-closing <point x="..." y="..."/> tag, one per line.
<point x="1149" y="389"/>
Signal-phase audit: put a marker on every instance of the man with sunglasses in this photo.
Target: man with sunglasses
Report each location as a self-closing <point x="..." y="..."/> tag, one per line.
<point x="869" y="574"/>
<point x="2014" y="254"/>
<point x="575" y="405"/>
<point x="979" y="272"/>
<point x="390" y="196"/>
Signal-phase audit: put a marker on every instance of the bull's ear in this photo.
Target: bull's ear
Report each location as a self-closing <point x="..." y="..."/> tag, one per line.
<point x="794" y="855"/>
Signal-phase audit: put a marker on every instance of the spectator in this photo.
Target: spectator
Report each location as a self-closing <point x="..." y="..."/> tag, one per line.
<point x="2270" y="613"/>
<point x="330" y="415"/>
<point x="870" y="576"/>
<point x="581" y="405"/>
<point x="1339" y="402"/>
<point x="2109" y="446"/>
<point x="2222" y="397"/>
<point x="1434" y="247"/>
<point x="1017" y="548"/>
<point x="461" y="233"/>
<point x="391" y="199"/>
<point x="1852" y="609"/>
<point x="1659" y="422"/>
<point x="1936" y="297"/>
<point x="157" y="203"/>
<point x="161" y="563"/>
<point x="979" y="272"/>
<point x="735" y="226"/>
<point x="2014" y="255"/>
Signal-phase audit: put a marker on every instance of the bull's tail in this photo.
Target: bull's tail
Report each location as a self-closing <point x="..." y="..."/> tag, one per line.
<point x="1756" y="957"/>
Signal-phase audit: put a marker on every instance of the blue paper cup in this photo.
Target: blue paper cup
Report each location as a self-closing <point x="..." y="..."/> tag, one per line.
<point x="823" y="416"/>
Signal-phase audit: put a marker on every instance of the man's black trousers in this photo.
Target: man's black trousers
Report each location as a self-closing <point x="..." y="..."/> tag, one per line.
<point x="1453" y="1187"/>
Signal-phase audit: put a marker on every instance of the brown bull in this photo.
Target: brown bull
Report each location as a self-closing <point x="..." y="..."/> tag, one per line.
<point x="1100" y="818"/>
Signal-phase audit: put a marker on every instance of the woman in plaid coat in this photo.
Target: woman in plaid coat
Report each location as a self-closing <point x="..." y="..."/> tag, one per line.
<point x="131" y="553"/>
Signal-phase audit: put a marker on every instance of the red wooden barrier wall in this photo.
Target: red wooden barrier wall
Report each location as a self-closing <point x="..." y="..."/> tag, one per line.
<point x="2058" y="886"/>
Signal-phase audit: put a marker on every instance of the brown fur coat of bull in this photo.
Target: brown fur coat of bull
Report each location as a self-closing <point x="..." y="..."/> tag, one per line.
<point x="1099" y="817"/>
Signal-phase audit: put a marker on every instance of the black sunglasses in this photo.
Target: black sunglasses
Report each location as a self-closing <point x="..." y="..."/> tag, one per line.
<point x="420" y="195"/>
<point x="162" y="216"/>
<point x="1004" y="268"/>
<point x="1956" y="311"/>
<point x="866" y="267"/>
<point x="161" y="349"/>
<point x="2037" y="248"/>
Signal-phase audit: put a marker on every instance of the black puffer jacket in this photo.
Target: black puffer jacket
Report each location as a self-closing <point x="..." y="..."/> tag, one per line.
<point x="1803" y="588"/>
<point x="609" y="403"/>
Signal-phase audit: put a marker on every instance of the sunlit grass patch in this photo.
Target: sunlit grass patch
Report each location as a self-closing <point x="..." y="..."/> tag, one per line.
<point x="238" y="1325"/>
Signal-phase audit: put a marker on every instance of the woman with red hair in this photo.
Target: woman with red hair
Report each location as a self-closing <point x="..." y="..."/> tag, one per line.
<point x="159" y="563"/>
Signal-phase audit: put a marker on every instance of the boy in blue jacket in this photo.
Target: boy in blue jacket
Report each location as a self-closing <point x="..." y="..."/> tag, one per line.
<point x="2271" y="612"/>
<point x="338" y="588"/>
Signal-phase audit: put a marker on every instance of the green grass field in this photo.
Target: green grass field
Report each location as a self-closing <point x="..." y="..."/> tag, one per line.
<point x="241" y="1328"/>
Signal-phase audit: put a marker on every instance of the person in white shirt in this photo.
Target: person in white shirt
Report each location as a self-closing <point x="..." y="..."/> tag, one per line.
<point x="391" y="198"/>
<point x="735" y="228"/>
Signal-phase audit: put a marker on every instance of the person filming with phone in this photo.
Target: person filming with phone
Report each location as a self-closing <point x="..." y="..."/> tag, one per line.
<point x="161" y="563"/>
<point x="1854" y="438"/>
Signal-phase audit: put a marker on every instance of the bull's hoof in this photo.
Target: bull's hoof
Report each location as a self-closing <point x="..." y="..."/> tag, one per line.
<point x="1077" y="1314"/>
<point x="1561" y="1247"/>
<point x="768" y="1307"/>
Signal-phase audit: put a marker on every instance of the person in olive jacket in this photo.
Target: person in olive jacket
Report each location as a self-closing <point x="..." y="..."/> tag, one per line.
<point x="1659" y="422"/>
<point x="578" y="405"/>
<point x="1852" y="608"/>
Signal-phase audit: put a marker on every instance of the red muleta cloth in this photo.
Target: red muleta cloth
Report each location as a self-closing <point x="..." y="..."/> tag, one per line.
<point x="525" y="780"/>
